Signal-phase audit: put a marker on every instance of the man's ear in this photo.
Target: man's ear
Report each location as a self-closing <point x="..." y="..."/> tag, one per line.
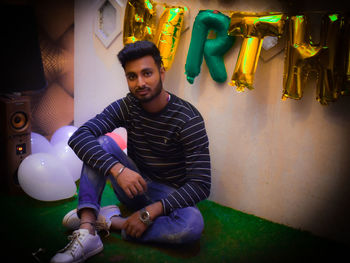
<point x="162" y="73"/>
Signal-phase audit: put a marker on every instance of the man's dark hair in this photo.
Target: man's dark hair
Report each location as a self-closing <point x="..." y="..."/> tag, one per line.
<point x="138" y="50"/>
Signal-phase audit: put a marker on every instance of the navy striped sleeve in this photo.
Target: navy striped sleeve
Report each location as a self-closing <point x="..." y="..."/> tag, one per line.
<point x="84" y="141"/>
<point x="195" y="143"/>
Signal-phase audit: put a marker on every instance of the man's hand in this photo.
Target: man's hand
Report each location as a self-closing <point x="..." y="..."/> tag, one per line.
<point x="131" y="182"/>
<point x="135" y="227"/>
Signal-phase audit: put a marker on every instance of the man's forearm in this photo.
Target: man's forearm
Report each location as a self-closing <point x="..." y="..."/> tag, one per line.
<point x="155" y="209"/>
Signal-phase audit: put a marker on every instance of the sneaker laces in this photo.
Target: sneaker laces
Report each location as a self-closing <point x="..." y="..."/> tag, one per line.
<point x="73" y="244"/>
<point x="102" y="225"/>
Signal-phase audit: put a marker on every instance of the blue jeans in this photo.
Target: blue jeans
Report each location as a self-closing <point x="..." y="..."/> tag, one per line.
<point x="180" y="226"/>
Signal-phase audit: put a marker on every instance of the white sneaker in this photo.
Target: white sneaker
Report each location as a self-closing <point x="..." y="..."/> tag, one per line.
<point x="72" y="221"/>
<point x="82" y="246"/>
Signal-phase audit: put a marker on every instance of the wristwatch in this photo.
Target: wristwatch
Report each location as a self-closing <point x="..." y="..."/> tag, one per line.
<point x="145" y="217"/>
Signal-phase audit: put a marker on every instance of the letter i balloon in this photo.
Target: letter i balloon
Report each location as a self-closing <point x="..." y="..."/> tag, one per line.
<point x="168" y="33"/>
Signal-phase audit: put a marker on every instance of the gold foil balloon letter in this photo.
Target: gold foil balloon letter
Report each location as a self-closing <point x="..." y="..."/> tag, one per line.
<point x="298" y="53"/>
<point x="328" y="83"/>
<point x="344" y="54"/>
<point x="303" y="57"/>
<point x="139" y="21"/>
<point x="253" y="27"/>
<point x="243" y="75"/>
<point x="168" y="33"/>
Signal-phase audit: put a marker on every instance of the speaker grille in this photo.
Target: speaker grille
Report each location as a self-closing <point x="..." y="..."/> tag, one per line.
<point x="19" y="121"/>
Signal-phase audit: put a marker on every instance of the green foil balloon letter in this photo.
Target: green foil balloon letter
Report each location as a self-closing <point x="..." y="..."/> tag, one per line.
<point x="213" y="49"/>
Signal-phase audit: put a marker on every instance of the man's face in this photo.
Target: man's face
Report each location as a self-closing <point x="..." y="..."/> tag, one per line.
<point x="145" y="80"/>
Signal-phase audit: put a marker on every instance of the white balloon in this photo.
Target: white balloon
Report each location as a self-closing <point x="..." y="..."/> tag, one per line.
<point x="39" y="143"/>
<point x="69" y="158"/>
<point x="63" y="134"/>
<point x="44" y="177"/>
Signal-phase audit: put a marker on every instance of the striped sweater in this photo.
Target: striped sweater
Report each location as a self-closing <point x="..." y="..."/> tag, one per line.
<point x="170" y="146"/>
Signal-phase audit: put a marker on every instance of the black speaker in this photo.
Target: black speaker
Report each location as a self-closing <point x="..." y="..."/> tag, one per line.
<point x="15" y="135"/>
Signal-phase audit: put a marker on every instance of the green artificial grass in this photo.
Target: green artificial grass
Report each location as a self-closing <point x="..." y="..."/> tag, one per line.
<point x="30" y="226"/>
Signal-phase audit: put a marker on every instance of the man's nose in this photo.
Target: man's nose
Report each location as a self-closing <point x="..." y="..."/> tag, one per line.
<point x="140" y="81"/>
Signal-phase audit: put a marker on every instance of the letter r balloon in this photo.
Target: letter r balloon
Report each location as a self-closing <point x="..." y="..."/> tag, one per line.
<point x="212" y="49"/>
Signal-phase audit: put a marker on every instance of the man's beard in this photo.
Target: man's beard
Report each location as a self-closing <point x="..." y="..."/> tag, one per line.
<point x="157" y="91"/>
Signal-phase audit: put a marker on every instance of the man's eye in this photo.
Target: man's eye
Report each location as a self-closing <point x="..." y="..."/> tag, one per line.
<point x="148" y="73"/>
<point x="131" y="77"/>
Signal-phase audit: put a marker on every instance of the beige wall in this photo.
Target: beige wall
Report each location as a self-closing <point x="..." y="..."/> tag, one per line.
<point x="285" y="161"/>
